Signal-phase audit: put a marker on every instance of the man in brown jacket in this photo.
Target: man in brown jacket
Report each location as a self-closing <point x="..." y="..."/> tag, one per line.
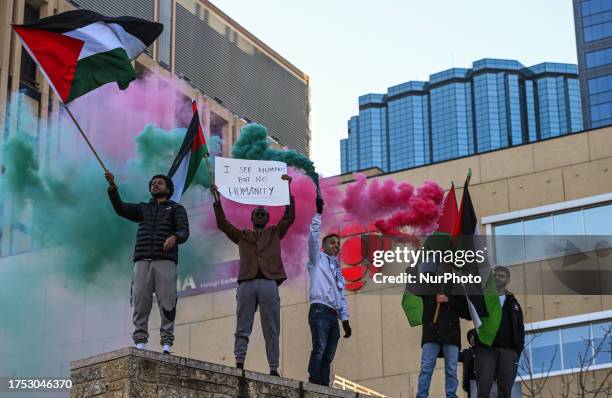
<point x="261" y="271"/>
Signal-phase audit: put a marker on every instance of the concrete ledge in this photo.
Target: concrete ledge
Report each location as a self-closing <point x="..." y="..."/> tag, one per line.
<point x="129" y="372"/>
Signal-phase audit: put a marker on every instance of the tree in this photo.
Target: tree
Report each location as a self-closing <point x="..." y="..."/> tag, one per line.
<point x="534" y="386"/>
<point x="581" y="382"/>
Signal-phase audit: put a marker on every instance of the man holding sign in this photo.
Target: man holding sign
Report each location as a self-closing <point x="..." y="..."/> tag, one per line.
<point x="261" y="271"/>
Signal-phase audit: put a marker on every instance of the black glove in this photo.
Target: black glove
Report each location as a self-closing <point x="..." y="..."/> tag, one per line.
<point x="320" y="205"/>
<point x="347" y="329"/>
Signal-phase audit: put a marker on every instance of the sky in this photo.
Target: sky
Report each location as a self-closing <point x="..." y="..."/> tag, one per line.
<point x="351" y="48"/>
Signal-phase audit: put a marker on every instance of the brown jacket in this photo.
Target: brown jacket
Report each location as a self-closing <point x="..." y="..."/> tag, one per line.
<point x="259" y="250"/>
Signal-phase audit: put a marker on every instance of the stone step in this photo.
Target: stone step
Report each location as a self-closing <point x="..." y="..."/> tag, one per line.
<point x="130" y="372"/>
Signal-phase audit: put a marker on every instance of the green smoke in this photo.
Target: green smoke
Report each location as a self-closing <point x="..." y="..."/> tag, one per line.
<point x="72" y="210"/>
<point x="157" y="149"/>
<point x="253" y="144"/>
<point x="81" y="247"/>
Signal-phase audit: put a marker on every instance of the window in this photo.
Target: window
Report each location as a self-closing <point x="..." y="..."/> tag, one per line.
<point x="591" y="7"/>
<point x="545" y="352"/>
<point x="598" y="58"/>
<point x="28" y="66"/>
<point x="542" y="236"/>
<point x="165" y="17"/>
<point x="567" y="348"/>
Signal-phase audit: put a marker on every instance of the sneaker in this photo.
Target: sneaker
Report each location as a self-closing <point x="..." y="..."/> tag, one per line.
<point x="274" y="372"/>
<point x="140" y="346"/>
<point x="240" y="365"/>
<point x="166" y="349"/>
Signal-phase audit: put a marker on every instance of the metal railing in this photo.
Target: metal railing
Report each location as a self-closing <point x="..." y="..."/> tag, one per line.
<point x="344" y="384"/>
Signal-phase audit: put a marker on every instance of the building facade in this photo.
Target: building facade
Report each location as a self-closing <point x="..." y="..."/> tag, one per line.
<point x="235" y="78"/>
<point x="207" y="48"/>
<point x="460" y="112"/>
<point x="593" y="24"/>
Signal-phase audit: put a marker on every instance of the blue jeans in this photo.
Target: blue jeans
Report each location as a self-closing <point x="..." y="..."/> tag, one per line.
<point x="429" y="355"/>
<point x="323" y="322"/>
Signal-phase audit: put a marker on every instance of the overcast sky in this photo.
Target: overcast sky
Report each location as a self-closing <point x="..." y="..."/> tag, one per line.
<point x="350" y="48"/>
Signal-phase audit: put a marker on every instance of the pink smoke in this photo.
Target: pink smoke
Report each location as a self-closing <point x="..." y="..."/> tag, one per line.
<point x="421" y="214"/>
<point x="392" y="206"/>
<point x="112" y="118"/>
<point x="369" y="201"/>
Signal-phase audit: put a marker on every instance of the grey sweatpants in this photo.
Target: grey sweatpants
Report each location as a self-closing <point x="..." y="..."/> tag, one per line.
<point x="157" y="276"/>
<point x="250" y="294"/>
<point x="495" y="362"/>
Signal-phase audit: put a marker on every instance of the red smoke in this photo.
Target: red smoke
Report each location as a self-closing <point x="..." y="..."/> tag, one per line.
<point x="420" y="215"/>
<point x="392" y="206"/>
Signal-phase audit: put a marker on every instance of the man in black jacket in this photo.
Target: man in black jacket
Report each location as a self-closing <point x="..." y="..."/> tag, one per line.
<point x="162" y="225"/>
<point x="501" y="359"/>
<point x="443" y="335"/>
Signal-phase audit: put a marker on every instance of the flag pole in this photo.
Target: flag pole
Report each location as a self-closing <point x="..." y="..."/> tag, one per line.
<point x="437" y="312"/>
<point x="85" y="137"/>
<point x="212" y="182"/>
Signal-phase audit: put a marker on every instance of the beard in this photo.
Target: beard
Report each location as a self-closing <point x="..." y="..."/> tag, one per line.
<point x="158" y="195"/>
<point x="500" y="285"/>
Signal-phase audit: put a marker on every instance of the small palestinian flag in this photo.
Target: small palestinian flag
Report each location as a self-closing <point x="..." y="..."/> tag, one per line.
<point x="193" y="149"/>
<point x="81" y="50"/>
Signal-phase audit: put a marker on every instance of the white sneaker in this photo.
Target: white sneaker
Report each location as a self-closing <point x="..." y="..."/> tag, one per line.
<point x="166" y="349"/>
<point x="140" y="346"/>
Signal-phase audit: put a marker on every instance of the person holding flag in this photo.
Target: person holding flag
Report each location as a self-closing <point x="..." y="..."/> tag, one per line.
<point x="499" y="361"/>
<point x="261" y="272"/>
<point x="441" y="335"/>
<point x="162" y="226"/>
<point x="437" y="309"/>
<point x="327" y="301"/>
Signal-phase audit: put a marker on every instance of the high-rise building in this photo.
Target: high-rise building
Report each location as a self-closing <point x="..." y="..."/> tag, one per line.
<point x="460" y="112"/>
<point x="593" y="22"/>
<point x="206" y="47"/>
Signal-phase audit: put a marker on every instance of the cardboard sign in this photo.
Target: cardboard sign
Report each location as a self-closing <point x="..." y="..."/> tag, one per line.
<point x="252" y="182"/>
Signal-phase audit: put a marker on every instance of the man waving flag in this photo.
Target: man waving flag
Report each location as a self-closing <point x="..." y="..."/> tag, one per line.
<point x="81" y="50"/>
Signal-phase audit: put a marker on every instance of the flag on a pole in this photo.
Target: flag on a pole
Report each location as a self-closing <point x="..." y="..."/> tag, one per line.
<point x="483" y="302"/>
<point x="441" y="240"/>
<point x="192" y="150"/>
<point x="81" y="50"/>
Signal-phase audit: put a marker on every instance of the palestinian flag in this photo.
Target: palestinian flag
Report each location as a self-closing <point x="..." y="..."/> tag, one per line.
<point x="192" y="150"/>
<point x="441" y="239"/>
<point x="483" y="303"/>
<point x="81" y="50"/>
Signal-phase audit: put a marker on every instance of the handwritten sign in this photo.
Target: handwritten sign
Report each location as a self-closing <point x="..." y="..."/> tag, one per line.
<point x="252" y="182"/>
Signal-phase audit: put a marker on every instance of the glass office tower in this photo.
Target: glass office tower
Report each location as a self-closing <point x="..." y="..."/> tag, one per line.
<point x="460" y="112"/>
<point x="593" y="22"/>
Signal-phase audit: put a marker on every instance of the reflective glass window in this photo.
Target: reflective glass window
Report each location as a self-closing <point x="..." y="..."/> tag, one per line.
<point x="602" y="342"/>
<point x="576" y="347"/>
<point x="545" y="352"/>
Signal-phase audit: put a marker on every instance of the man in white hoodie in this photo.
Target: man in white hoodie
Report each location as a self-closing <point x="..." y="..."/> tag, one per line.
<point x="327" y="301"/>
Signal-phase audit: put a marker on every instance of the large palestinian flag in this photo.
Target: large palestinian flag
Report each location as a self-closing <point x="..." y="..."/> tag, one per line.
<point x="81" y="50"/>
<point x="188" y="159"/>
<point x="483" y="301"/>
<point x="412" y="303"/>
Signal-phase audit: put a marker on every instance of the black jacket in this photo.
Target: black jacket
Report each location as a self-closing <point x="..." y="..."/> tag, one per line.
<point x="156" y="223"/>
<point x="447" y="329"/>
<point x="467" y="358"/>
<point x="511" y="332"/>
